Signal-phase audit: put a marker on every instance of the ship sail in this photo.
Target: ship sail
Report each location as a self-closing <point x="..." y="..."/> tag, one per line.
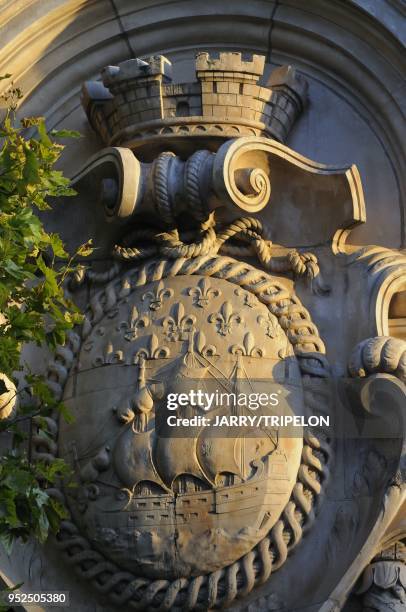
<point x="176" y="457"/>
<point x="133" y="459"/>
<point x="217" y="455"/>
<point x="233" y="455"/>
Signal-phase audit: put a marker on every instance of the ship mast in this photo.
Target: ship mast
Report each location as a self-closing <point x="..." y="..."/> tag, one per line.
<point x="238" y="373"/>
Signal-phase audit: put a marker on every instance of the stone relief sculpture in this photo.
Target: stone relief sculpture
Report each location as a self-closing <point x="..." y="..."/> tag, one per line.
<point x="218" y="221"/>
<point x="383" y="582"/>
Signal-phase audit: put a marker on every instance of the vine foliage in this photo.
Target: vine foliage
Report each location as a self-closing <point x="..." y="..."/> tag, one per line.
<point x="33" y="309"/>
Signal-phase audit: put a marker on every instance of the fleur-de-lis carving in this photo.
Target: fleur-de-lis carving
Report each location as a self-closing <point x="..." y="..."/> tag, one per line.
<point x="125" y="289"/>
<point x="248" y="299"/>
<point x="152" y="351"/>
<point x="156" y="299"/>
<point x="177" y="326"/>
<point x="207" y="350"/>
<point x="134" y="323"/>
<point x="247" y="348"/>
<point x="270" y="324"/>
<point x="225" y="319"/>
<point x="203" y="293"/>
<point x="109" y="356"/>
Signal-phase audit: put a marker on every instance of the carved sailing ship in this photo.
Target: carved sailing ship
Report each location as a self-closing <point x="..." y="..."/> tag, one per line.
<point x="167" y="501"/>
<point x="205" y="473"/>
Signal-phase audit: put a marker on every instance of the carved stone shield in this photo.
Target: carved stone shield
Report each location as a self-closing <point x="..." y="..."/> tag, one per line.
<point x="154" y="501"/>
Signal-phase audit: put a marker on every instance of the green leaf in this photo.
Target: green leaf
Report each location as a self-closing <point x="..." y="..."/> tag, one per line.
<point x="19" y="481"/>
<point x="9" y="507"/>
<point x="51" y="283"/>
<point x="41" y="497"/>
<point x="66" y="415"/>
<point x="34" y="309"/>
<point x="55" y="515"/>
<point x="57" y="246"/>
<point x="31" y="168"/>
<point x="42" y="132"/>
<point x="52" y="471"/>
<point x="42" y="526"/>
<point x="28" y="122"/>
<point x="85" y="249"/>
<point x="13" y="269"/>
<point x="65" y="134"/>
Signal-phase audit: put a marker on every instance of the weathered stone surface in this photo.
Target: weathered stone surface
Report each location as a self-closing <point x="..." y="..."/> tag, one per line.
<point x="353" y="296"/>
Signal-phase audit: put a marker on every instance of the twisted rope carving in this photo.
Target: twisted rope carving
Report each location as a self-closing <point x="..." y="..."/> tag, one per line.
<point x="170" y="245"/>
<point x="160" y="185"/>
<point x="247" y="229"/>
<point x="193" y="171"/>
<point x="81" y="274"/>
<point x="219" y="588"/>
<point x="45" y="449"/>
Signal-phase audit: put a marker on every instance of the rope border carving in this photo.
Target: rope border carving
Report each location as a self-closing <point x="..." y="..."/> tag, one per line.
<point x="209" y="240"/>
<point x="220" y="588"/>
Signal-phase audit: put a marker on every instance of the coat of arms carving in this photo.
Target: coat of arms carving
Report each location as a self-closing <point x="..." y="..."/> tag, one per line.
<point x="215" y="237"/>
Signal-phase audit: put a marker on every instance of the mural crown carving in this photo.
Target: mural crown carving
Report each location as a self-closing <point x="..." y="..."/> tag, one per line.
<point x="138" y="103"/>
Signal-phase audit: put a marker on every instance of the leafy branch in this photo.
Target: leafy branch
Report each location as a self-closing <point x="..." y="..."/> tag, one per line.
<point x="34" y="266"/>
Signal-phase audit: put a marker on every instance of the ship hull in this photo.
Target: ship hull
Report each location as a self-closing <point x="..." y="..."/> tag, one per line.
<point x="178" y="535"/>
